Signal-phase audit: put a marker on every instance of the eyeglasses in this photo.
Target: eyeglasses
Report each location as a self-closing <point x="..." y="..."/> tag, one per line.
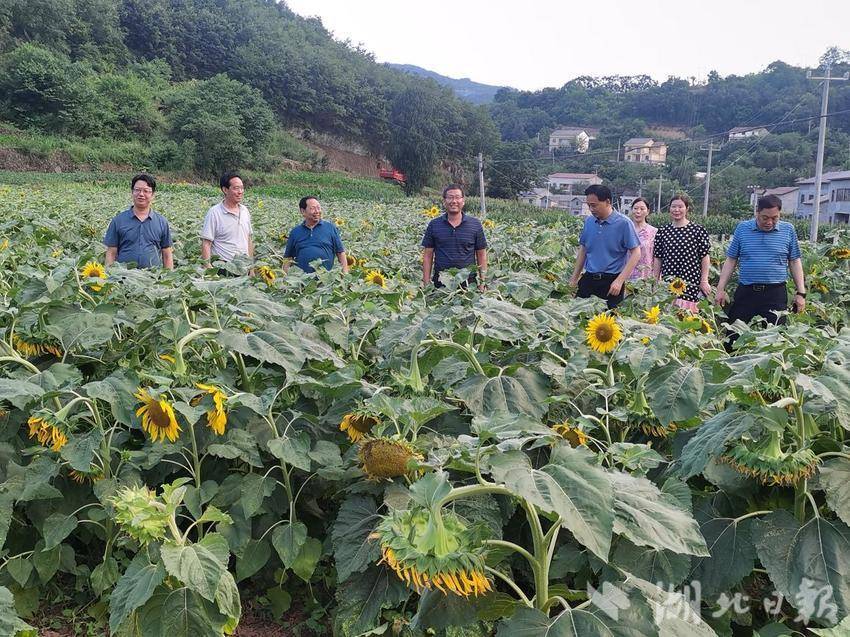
<point x="142" y="191"/>
<point x="453" y="198"/>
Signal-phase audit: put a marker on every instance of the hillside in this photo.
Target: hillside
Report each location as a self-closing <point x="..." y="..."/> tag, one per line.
<point x="465" y="88"/>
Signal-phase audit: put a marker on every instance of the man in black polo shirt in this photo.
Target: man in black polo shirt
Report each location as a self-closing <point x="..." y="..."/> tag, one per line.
<point x="453" y="240"/>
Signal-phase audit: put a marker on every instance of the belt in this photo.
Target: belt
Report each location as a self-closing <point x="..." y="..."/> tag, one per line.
<point x="599" y="276"/>
<point x="761" y="287"/>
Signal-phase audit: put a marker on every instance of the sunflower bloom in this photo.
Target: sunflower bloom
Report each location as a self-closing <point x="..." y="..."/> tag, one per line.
<point x="603" y="333"/>
<point x="840" y="253"/>
<point x="158" y="418"/>
<point x="94" y="270"/>
<point x="575" y="436"/>
<point x="31" y="349"/>
<point x="376" y="277"/>
<point x="350" y="260"/>
<point x="769" y="464"/>
<point x="217" y="416"/>
<point x="47" y="433"/>
<point x="357" y="425"/>
<point x="91" y="476"/>
<point x="386" y="458"/>
<point x="266" y="274"/>
<point x="651" y="315"/>
<point x="489" y="224"/>
<point x="339" y="221"/>
<point x="678" y="287"/>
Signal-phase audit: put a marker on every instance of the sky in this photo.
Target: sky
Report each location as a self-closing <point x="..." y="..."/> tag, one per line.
<point x="537" y="43"/>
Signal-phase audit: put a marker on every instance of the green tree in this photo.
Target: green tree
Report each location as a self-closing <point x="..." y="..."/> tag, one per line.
<point x="513" y="169"/>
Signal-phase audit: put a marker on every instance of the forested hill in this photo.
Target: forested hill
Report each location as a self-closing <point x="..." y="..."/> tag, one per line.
<point x="474" y="92"/>
<point x="123" y="68"/>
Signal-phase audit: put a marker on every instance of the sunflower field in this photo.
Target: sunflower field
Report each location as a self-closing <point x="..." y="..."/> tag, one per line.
<point x="179" y="446"/>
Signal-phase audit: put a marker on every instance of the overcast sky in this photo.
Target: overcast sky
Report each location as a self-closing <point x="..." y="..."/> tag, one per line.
<point x="538" y="43"/>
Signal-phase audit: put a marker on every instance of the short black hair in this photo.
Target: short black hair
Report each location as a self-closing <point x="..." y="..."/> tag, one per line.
<point x="602" y="193"/>
<point x="453" y="187"/>
<point x="683" y="197"/>
<point x="145" y="177"/>
<point x="768" y="201"/>
<point x="303" y="203"/>
<point x="645" y="203"/>
<point x="224" y="181"/>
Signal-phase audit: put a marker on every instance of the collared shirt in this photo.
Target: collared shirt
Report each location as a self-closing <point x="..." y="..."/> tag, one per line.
<point x="608" y="243"/>
<point x="138" y="241"/>
<point x="454" y="247"/>
<point x="763" y="255"/>
<point x="322" y="241"/>
<point x="230" y="232"/>
<point x="646" y="235"/>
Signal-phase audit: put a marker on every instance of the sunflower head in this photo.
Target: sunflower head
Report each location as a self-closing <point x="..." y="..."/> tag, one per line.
<point x="357" y="425"/>
<point x="820" y="286"/>
<point x="339" y="221"/>
<point x="266" y="274"/>
<point x="158" y="418"/>
<point x="47" y="430"/>
<point x="140" y="514"/>
<point x="386" y="458"/>
<point x="652" y="314"/>
<point x="603" y="333"/>
<point x="488" y="224"/>
<point x="575" y="436"/>
<point x="768" y="463"/>
<point x="655" y="429"/>
<point x="217" y="416"/>
<point x="376" y="277"/>
<point x="94" y="270"/>
<point x="430" y="551"/>
<point x="32" y="348"/>
<point x="678" y="287"/>
<point x="350" y="260"/>
<point x="91" y="476"/>
<point x="840" y="253"/>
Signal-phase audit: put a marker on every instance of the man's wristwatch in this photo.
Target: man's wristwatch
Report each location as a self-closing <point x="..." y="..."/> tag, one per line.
<point x="803" y="294"/>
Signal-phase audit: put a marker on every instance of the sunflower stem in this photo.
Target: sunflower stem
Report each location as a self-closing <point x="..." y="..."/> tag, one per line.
<point x="21" y="361"/>
<point x="467" y="351"/>
<point x="507" y="580"/>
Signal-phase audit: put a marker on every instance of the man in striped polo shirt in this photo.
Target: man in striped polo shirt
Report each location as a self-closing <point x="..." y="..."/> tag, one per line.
<point x="765" y="248"/>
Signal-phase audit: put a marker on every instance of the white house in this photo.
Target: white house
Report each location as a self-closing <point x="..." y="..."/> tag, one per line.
<point x="743" y="133"/>
<point x="645" y="150"/>
<point x="834" y="197"/>
<point x="572" y="182"/>
<point x="572" y="137"/>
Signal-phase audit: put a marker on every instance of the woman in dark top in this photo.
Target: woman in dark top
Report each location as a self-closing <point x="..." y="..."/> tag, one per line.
<point x="681" y="252"/>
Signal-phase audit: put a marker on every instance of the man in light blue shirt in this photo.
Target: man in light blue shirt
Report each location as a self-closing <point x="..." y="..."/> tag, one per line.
<point x="765" y="248"/>
<point x="314" y="239"/>
<point x="609" y="250"/>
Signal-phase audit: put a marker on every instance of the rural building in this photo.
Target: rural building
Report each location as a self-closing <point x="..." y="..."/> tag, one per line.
<point x="834" y="197"/>
<point x="645" y="150"/>
<point x="788" y="195"/>
<point x="572" y="182"/>
<point x="543" y="198"/>
<point x="572" y="137"/>
<point x="744" y="133"/>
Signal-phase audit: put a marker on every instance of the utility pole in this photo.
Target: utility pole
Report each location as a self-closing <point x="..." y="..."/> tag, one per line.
<point x="481" y="184"/>
<point x="711" y="148"/>
<point x="660" y="179"/>
<point x="813" y="231"/>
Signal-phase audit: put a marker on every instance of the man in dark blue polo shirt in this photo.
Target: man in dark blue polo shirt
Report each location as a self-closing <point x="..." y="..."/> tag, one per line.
<point x="314" y="239"/>
<point x="608" y="251"/>
<point x="139" y="235"/>
<point x="453" y="240"/>
<point x="765" y="248"/>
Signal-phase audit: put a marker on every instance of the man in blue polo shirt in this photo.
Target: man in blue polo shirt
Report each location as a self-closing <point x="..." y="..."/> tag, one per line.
<point x="314" y="239"/>
<point x="765" y="248"/>
<point x="609" y="249"/>
<point x="139" y="235"/>
<point x="453" y="240"/>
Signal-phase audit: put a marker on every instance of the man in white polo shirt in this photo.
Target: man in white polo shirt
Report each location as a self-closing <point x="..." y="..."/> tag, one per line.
<point x="227" y="227"/>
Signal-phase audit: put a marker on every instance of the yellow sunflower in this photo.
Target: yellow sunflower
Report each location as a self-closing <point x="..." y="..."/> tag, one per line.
<point x="603" y="333"/>
<point x="357" y="425"/>
<point x="91" y="270"/>
<point x="840" y="253"/>
<point x="91" y="476"/>
<point x="489" y="224"/>
<point x="575" y="436"/>
<point x="645" y="340"/>
<point x="46" y="432"/>
<point x="158" y="418"/>
<point x="217" y="416"/>
<point x="31" y="349"/>
<point x="350" y="260"/>
<point x="820" y="286"/>
<point x="705" y="327"/>
<point x="651" y="315"/>
<point x="678" y="287"/>
<point x="377" y="277"/>
<point x="339" y="221"/>
<point x="266" y="274"/>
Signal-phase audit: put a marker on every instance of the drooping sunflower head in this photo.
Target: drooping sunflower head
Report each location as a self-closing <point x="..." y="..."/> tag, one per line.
<point x="91" y="476"/>
<point x="266" y="274"/>
<point x="766" y="461"/>
<point x="33" y="348"/>
<point x="603" y="333"/>
<point x="47" y="430"/>
<point x="94" y="270"/>
<point x="376" y="277"/>
<point x="357" y="425"/>
<point x="430" y="552"/>
<point x="678" y="287"/>
<point x="840" y="253"/>
<point x="575" y="436"/>
<point x="217" y="416"/>
<point x="350" y="260"/>
<point x="158" y="418"/>
<point x="655" y="429"/>
<point x="386" y="458"/>
<point x="652" y="314"/>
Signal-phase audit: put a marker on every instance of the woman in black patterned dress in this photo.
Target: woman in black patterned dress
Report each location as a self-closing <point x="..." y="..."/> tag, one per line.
<point x="681" y="252"/>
